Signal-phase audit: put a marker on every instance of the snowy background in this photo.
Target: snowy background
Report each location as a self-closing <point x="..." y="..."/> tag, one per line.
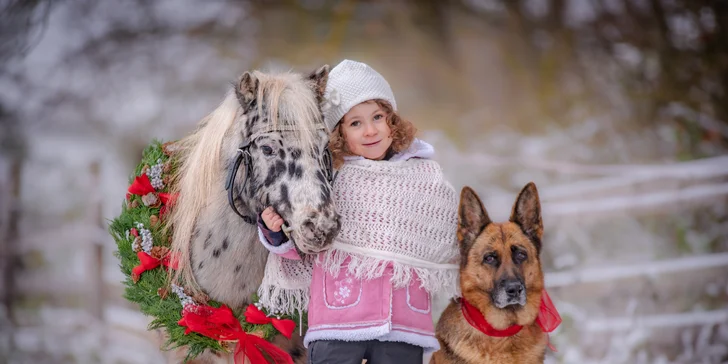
<point x="617" y="109"/>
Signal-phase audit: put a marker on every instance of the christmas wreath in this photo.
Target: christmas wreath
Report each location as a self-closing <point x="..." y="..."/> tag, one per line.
<point x="143" y="240"/>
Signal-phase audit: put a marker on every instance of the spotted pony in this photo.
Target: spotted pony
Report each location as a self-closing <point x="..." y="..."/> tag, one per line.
<point x="265" y="145"/>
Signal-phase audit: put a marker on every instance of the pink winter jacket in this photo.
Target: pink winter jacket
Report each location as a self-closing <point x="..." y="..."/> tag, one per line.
<point x="345" y="308"/>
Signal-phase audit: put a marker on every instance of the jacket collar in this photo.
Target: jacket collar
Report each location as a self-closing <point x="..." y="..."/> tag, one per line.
<point x="418" y="149"/>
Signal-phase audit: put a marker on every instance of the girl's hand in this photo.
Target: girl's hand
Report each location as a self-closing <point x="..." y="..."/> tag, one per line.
<point x="272" y="220"/>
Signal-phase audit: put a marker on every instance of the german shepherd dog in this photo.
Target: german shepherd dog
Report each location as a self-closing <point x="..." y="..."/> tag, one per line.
<point x="502" y="284"/>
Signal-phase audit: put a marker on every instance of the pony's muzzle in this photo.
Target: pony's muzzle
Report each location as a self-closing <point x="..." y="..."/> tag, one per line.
<point x="317" y="232"/>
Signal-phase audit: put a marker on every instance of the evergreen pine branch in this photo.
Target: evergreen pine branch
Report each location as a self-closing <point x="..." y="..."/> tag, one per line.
<point x="165" y="312"/>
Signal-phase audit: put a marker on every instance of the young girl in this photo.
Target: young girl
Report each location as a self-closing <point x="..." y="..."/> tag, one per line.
<point x="370" y="295"/>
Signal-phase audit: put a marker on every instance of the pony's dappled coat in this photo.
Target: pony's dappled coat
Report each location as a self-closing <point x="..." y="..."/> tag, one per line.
<point x="279" y="117"/>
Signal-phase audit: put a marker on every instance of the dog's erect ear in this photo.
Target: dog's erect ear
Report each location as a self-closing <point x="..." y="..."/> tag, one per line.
<point x="247" y="89"/>
<point x="527" y="214"/>
<point x="320" y="77"/>
<point x="472" y="219"/>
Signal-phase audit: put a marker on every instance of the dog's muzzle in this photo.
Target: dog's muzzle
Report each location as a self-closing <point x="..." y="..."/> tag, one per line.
<point x="509" y="292"/>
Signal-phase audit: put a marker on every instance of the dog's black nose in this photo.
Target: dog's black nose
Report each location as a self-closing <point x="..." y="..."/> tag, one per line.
<point x="513" y="289"/>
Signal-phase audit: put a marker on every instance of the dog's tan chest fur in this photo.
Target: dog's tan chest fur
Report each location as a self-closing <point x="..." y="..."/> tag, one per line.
<point x="467" y="345"/>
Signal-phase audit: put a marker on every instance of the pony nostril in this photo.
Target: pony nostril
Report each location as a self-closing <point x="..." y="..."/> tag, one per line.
<point x="308" y="225"/>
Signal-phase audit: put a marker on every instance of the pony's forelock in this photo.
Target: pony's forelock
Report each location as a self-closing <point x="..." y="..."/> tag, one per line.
<point x="290" y="102"/>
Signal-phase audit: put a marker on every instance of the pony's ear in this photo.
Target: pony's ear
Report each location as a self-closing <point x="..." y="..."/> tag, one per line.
<point x="246" y="89"/>
<point x="320" y="77"/>
<point x="527" y="214"/>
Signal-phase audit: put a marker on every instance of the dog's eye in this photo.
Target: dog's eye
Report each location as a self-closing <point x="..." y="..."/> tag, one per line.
<point x="490" y="259"/>
<point x="521" y="257"/>
<point x="266" y="150"/>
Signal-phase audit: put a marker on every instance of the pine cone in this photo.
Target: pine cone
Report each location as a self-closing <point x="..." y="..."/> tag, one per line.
<point x="153" y="220"/>
<point x="228" y="346"/>
<point x="163" y="292"/>
<point x="201" y="298"/>
<point x="258" y="332"/>
<point x="151" y="200"/>
<point x="135" y="204"/>
<point x="159" y="252"/>
<point x="169" y="148"/>
<point x="145" y="169"/>
<point x="137" y="244"/>
<point x="166" y="167"/>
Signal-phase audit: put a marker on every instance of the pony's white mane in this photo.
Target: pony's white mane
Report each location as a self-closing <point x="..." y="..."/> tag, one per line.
<point x="201" y="156"/>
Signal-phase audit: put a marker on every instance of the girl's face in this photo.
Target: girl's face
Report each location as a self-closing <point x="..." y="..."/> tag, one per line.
<point x="366" y="131"/>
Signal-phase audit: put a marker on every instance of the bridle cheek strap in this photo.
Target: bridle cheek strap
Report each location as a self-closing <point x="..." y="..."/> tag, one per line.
<point x="243" y="156"/>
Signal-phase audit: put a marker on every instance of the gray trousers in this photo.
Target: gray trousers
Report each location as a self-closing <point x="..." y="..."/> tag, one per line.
<point x="374" y="351"/>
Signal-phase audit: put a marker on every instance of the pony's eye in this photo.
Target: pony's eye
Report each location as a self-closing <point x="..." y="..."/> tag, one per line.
<point x="266" y="150"/>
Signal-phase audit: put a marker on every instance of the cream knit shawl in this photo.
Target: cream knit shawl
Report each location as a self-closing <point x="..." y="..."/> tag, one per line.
<point x="400" y="212"/>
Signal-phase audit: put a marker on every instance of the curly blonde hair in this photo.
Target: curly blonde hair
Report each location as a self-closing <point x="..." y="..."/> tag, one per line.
<point x="403" y="133"/>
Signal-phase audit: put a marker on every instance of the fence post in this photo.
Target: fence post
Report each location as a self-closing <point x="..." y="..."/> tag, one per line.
<point x="10" y="212"/>
<point x="96" y="256"/>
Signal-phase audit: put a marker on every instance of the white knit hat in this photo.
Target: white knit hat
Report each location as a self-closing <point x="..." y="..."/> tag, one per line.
<point x="351" y="83"/>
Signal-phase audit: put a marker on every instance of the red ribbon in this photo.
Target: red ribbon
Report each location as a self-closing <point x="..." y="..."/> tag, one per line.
<point x="476" y="319"/>
<point x="221" y="324"/>
<point x="255" y="316"/>
<point x="548" y="319"/>
<point x="142" y="186"/>
<point x="148" y="262"/>
<point x="171" y="261"/>
<point x="167" y="200"/>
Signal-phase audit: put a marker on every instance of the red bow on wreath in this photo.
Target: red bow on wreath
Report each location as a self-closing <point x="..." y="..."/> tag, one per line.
<point x="221" y="324"/>
<point x="148" y="262"/>
<point x="143" y="187"/>
<point x="255" y="316"/>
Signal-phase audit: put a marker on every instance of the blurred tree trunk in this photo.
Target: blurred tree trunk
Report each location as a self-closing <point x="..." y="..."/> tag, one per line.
<point x="716" y="49"/>
<point x="22" y="24"/>
<point x="9" y="233"/>
<point x="12" y="151"/>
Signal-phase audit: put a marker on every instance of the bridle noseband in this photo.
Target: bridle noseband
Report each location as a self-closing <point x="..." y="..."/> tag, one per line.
<point x="244" y="157"/>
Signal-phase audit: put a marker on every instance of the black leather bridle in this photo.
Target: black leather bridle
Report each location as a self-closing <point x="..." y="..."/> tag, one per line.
<point x="244" y="157"/>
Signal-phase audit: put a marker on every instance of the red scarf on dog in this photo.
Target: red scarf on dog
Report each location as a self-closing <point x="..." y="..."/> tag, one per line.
<point x="548" y="319"/>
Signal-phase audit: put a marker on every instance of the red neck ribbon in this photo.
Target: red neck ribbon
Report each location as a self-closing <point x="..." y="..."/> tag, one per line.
<point x="548" y="319"/>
